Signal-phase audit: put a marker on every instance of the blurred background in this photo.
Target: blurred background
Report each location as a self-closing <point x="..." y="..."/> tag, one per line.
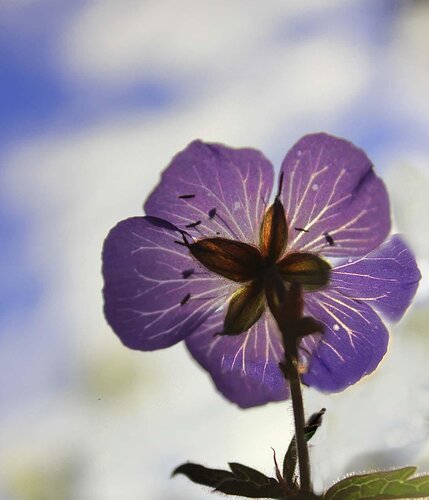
<point x="95" y="99"/>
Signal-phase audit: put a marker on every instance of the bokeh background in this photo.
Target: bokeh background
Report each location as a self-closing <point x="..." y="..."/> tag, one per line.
<point x="95" y="99"/>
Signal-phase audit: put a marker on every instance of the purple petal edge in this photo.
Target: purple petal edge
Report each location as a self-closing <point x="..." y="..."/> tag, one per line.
<point x="386" y="279"/>
<point x="148" y="300"/>
<point x="245" y="367"/>
<point x="220" y="189"/>
<point x="331" y="191"/>
<point x="352" y="345"/>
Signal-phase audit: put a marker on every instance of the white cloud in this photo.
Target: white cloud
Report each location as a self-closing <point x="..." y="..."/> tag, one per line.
<point x="411" y="55"/>
<point x="114" y="42"/>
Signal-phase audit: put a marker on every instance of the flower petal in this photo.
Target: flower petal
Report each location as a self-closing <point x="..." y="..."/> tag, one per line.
<point x="352" y="345"/>
<point x="387" y="278"/>
<point x="245" y="367"/>
<point x="334" y="202"/>
<point x="213" y="190"/>
<point x="155" y="293"/>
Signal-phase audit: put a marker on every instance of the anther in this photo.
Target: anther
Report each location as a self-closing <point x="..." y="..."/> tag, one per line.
<point x="185" y="299"/>
<point x="212" y="213"/>
<point x="301" y="229"/>
<point x="187" y="272"/>
<point x="193" y="224"/>
<point x="329" y="239"/>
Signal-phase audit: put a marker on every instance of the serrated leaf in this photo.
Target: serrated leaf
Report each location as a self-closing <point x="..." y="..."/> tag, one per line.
<point x="382" y="485"/>
<point x="290" y="459"/>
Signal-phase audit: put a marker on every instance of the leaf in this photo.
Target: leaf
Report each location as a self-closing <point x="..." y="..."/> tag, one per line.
<point x="242" y="481"/>
<point x="381" y="485"/>
<point x="244" y="472"/>
<point x="243" y="488"/>
<point x="289" y="465"/>
<point x="289" y="462"/>
<point x="202" y="475"/>
<point x="313" y="423"/>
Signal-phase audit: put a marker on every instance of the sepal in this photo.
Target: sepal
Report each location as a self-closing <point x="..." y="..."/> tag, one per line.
<point x="231" y="259"/>
<point x="245" y="308"/>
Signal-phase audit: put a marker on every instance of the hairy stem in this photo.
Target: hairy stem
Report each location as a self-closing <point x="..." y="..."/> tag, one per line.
<point x="287" y="309"/>
<point x="291" y="366"/>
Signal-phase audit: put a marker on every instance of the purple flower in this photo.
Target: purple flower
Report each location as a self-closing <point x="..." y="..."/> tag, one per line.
<point x="208" y="270"/>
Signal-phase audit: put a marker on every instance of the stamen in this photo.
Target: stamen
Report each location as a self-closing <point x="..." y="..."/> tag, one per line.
<point x="279" y="190"/>
<point x="193" y="224"/>
<point x="185" y="242"/>
<point x="212" y="213"/>
<point x="186" y="196"/>
<point x="185" y="299"/>
<point x="185" y="234"/>
<point x="301" y="229"/>
<point x="329" y="239"/>
<point x="226" y="225"/>
<point x="187" y="272"/>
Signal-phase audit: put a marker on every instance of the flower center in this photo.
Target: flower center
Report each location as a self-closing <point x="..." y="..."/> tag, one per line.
<point x="267" y="272"/>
